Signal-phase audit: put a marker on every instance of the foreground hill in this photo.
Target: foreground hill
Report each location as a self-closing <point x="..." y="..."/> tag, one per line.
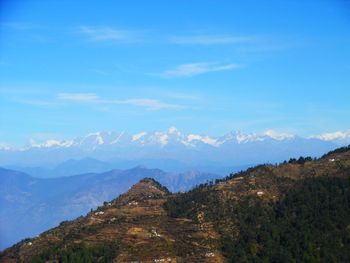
<point x="29" y="205"/>
<point x="132" y="227"/>
<point x="294" y="212"/>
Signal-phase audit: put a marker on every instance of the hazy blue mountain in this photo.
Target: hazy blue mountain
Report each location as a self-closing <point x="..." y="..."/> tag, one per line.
<point x="66" y="168"/>
<point x="31" y="205"/>
<point x="91" y="165"/>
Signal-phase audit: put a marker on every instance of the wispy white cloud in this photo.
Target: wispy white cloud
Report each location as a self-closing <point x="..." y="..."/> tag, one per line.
<point x="5" y="146"/>
<point x="82" y="97"/>
<point x="193" y="69"/>
<point x="95" y="33"/>
<point x="210" y="39"/>
<point x="37" y="102"/>
<point x="181" y="96"/>
<point x="149" y="104"/>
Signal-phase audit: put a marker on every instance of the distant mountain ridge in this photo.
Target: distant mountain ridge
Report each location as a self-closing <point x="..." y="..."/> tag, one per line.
<point x="91" y="165"/>
<point x="234" y="148"/>
<point x="66" y="168"/>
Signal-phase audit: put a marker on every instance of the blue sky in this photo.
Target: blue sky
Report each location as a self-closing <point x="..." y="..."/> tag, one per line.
<point x="68" y="68"/>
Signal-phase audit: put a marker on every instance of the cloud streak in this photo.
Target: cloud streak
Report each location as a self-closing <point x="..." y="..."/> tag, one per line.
<point x="37" y="102"/>
<point x="193" y="69"/>
<point x="149" y="104"/>
<point x="79" y="97"/>
<point x="110" y="33"/>
<point x="100" y="34"/>
<point x="210" y="40"/>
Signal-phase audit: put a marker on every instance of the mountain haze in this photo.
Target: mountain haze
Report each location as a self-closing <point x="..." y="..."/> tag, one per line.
<point x="173" y="150"/>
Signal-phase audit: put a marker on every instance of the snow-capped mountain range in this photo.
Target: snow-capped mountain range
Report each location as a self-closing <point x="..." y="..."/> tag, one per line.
<point x="172" y="135"/>
<point x="233" y="148"/>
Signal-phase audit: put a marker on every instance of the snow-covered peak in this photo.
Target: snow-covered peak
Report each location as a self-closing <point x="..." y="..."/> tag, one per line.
<point x="278" y="136"/>
<point x="172" y="137"/>
<point x="173" y="130"/>
<point x="5" y="147"/>
<point x="153" y="138"/>
<point x="333" y="136"/>
<point x="242" y="138"/>
<point x="159" y="138"/>
<point x="51" y="143"/>
<point x="138" y="136"/>
<point x="203" y="139"/>
<point x="162" y="138"/>
<point x="238" y="137"/>
<point x="117" y="138"/>
<point x="96" y="136"/>
<point x="102" y="139"/>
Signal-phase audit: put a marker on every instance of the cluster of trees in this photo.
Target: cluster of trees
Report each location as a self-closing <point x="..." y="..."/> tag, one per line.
<point x="338" y="150"/>
<point x="77" y="253"/>
<point x="156" y="183"/>
<point x="300" y="160"/>
<point x="311" y="223"/>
